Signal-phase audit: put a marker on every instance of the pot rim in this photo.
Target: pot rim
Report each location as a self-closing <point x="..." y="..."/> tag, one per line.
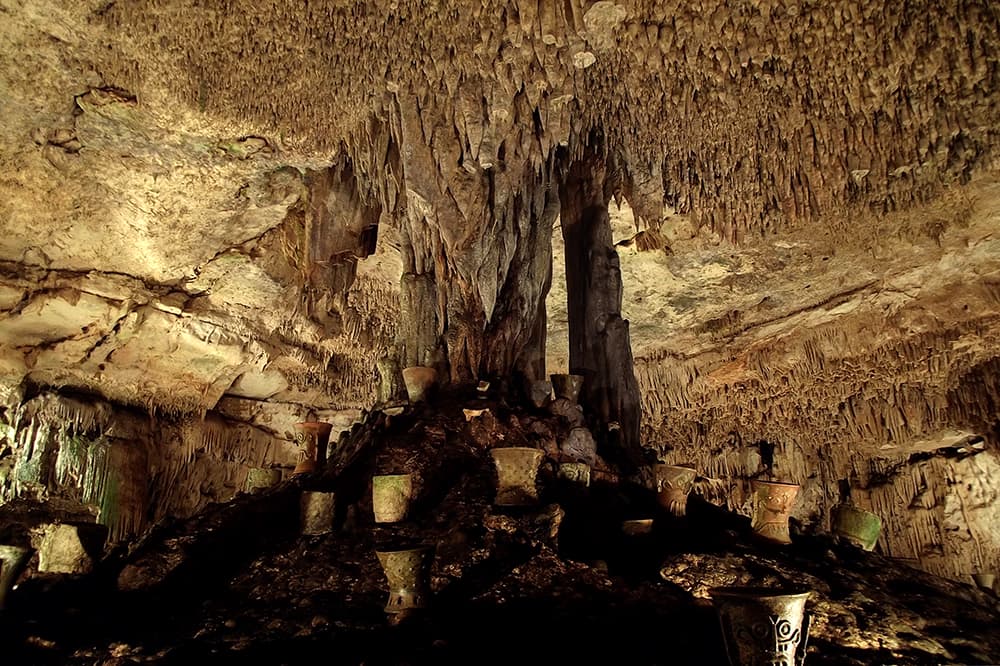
<point x="319" y="427"/>
<point x="516" y="448"/>
<point x="391" y="476"/>
<point x="856" y="509"/>
<point x="18" y="550"/>
<point x="764" y="482"/>
<point x="393" y="550"/>
<point x="410" y="368"/>
<point x="760" y="592"/>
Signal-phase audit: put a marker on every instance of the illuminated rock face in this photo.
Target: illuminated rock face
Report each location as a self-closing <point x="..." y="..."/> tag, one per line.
<point x="225" y="225"/>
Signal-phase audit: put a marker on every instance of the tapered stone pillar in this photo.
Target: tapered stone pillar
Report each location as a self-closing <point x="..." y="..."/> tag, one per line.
<point x="599" y="346"/>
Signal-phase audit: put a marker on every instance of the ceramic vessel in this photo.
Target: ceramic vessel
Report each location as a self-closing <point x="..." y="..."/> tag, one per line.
<point x="985" y="581"/>
<point x="517" y="471"/>
<point x="13" y="560"/>
<point x="540" y="392"/>
<point x="637" y="526"/>
<point x="772" y="506"/>
<point x="407" y="572"/>
<point x="763" y="627"/>
<point x="316" y="512"/>
<point x="312" y="438"/>
<point x="856" y="525"/>
<point x="567" y="386"/>
<point x="673" y="485"/>
<point x="575" y="472"/>
<point x="420" y="381"/>
<point x="261" y="478"/>
<point x="391" y="496"/>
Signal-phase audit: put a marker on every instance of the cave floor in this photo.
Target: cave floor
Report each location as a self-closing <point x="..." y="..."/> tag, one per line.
<point x="554" y="582"/>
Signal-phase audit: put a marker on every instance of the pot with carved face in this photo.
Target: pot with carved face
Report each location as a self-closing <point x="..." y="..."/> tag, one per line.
<point x="772" y="507"/>
<point x="763" y="626"/>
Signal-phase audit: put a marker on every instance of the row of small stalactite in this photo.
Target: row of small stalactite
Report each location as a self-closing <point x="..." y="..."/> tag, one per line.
<point x="94" y="468"/>
<point x="938" y="511"/>
<point x="90" y="455"/>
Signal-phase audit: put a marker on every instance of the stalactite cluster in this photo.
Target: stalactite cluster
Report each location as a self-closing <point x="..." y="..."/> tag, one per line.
<point x="754" y="116"/>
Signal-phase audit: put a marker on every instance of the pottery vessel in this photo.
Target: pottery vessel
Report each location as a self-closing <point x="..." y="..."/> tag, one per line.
<point x="637" y="526"/>
<point x="260" y="478"/>
<point x="420" y="381"/>
<point x="772" y="506"/>
<point x="13" y="560"/>
<point x="312" y="438"/>
<point x="517" y="471"/>
<point x="985" y="581"/>
<point x="540" y="392"/>
<point x="391" y="496"/>
<point x="316" y="512"/>
<point x="575" y="472"/>
<point x="673" y="485"/>
<point x="763" y="627"/>
<point x="567" y="386"/>
<point x="408" y="574"/>
<point x="856" y="525"/>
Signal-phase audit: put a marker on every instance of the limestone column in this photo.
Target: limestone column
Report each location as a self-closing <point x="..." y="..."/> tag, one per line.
<point x="599" y="346"/>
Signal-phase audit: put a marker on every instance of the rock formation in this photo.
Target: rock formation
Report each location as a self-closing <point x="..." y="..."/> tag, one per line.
<point x="766" y="232"/>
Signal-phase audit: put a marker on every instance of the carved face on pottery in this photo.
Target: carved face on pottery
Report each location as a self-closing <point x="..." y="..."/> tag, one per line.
<point x="575" y="472"/>
<point x="762" y="627"/>
<point x="778" y="500"/>
<point x="773" y="504"/>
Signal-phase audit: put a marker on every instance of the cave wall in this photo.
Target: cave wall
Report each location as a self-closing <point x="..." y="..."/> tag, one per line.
<point x="88" y="459"/>
<point x="205" y="211"/>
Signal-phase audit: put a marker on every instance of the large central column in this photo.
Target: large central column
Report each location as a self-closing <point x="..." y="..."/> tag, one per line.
<point x="599" y="346"/>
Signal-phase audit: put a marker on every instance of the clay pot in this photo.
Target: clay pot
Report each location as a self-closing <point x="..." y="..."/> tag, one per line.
<point x="316" y="512"/>
<point x="763" y="626"/>
<point x="13" y="560"/>
<point x="540" y="393"/>
<point x="858" y="526"/>
<point x="260" y="478"/>
<point x="408" y="574"/>
<point x="312" y="438"/>
<point x="567" y="386"/>
<point x="773" y="502"/>
<point x="673" y="485"/>
<point x="391" y="496"/>
<point x="419" y="381"/>
<point x="637" y="526"/>
<point x="517" y="471"/>
<point x="575" y="472"/>
<point x="985" y="581"/>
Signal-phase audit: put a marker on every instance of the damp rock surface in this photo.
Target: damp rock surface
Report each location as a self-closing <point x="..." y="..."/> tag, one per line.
<point x="556" y="579"/>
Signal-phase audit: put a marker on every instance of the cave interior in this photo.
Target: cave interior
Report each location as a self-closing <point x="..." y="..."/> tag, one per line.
<point x="611" y="323"/>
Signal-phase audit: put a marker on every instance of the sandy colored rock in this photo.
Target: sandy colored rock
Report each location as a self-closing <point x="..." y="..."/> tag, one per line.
<point x="70" y="549"/>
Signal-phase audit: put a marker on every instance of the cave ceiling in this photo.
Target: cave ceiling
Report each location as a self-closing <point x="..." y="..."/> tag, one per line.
<point x="204" y="203"/>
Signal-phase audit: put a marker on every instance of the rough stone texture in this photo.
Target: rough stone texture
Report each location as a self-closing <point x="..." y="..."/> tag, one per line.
<point x="216" y="220"/>
<point x="70" y="549"/>
<point x="239" y="583"/>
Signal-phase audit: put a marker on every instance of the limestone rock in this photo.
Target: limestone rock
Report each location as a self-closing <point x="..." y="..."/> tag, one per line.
<point x="70" y="548"/>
